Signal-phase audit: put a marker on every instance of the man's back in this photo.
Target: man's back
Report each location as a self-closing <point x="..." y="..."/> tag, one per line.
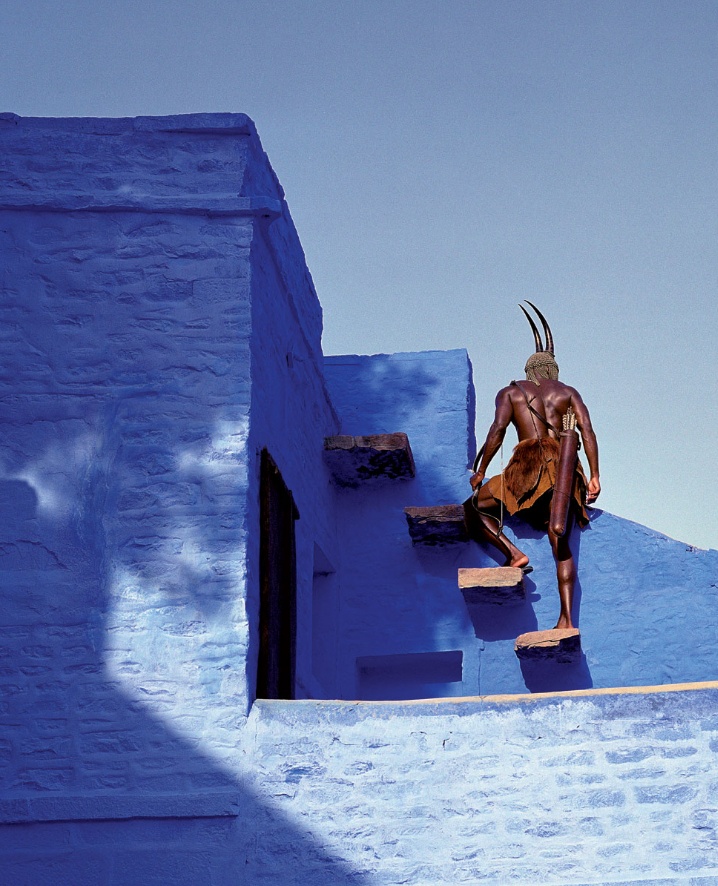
<point x="550" y="401"/>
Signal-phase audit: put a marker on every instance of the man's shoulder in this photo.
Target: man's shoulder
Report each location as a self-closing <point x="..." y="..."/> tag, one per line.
<point x="570" y="390"/>
<point x="507" y="391"/>
<point x="558" y="386"/>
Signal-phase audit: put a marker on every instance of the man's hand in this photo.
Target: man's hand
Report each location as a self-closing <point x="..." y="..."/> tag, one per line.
<point x="594" y="490"/>
<point x="477" y="479"/>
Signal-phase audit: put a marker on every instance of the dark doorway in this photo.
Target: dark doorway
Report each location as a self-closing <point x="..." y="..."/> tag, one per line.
<point x="278" y="584"/>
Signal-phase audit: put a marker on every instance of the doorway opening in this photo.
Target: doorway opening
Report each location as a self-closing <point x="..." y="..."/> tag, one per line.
<point x="277" y="583"/>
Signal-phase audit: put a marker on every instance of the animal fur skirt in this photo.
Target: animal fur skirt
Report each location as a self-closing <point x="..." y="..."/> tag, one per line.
<point x="527" y="483"/>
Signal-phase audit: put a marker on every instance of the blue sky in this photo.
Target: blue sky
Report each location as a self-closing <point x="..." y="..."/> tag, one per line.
<point x="445" y="160"/>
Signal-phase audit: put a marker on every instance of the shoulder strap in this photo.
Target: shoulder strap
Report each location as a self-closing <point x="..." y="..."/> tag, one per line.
<point x="535" y="411"/>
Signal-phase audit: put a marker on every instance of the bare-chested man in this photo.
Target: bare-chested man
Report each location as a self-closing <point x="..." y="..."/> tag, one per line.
<point x="535" y="407"/>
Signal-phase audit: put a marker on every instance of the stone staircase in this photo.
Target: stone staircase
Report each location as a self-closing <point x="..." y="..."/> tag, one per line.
<point x="353" y="460"/>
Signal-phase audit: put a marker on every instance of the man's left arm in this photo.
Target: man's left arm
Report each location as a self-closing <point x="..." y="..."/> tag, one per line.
<point x="590" y="445"/>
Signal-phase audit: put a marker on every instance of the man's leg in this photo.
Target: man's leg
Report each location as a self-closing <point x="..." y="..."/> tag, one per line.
<point x="481" y="516"/>
<point x="565" y="573"/>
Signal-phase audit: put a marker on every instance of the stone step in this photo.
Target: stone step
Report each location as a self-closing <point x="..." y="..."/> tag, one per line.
<point x="436" y="525"/>
<point x="558" y="644"/>
<point x="497" y="584"/>
<point x="353" y="460"/>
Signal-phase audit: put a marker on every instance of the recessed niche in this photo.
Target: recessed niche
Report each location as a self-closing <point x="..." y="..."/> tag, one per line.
<point x="412" y="675"/>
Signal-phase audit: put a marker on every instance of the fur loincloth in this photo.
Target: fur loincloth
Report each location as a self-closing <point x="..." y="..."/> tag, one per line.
<point x="527" y="483"/>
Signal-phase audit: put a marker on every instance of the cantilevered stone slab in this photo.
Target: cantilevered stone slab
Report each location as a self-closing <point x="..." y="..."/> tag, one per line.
<point x="498" y="584"/>
<point x="437" y="525"/>
<point x="355" y="459"/>
<point x="558" y="644"/>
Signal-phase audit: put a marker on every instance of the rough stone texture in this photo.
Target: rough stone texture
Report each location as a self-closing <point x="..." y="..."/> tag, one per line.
<point x="437" y="525"/>
<point x="498" y="585"/>
<point x="395" y="597"/>
<point x="153" y="291"/>
<point x="159" y="328"/>
<point x="488" y="790"/>
<point x="558" y="644"/>
<point x="125" y="399"/>
<point x="354" y="460"/>
<point x="496" y="790"/>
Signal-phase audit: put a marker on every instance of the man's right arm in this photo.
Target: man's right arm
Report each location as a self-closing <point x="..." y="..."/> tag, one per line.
<point x="590" y="445"/>
<point x="495" y="436"/>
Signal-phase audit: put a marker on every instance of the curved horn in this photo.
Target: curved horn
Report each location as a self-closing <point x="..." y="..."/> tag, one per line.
<point x="537" y="337"/>
<point x="546" y="327"/>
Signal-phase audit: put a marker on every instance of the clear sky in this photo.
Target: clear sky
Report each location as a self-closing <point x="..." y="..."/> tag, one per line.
<point x="444" y="160"/>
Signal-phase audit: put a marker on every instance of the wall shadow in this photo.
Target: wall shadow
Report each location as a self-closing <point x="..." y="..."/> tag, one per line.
<point x="72" y="731"/>
<point x="492" y="621"/>
<point x="552" y="676"/>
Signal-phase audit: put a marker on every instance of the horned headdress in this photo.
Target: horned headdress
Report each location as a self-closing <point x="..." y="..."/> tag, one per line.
<point x="542" y="364"/>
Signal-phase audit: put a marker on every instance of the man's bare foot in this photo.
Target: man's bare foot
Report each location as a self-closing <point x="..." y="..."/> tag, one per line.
<point x="563" y="624"/>
<point x="520" y="561"/>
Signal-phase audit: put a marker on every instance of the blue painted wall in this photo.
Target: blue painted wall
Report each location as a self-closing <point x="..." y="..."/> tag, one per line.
<point x="125" y="407"/>
<point x="569" y="789"/>
<point x="400" y="601"/>
<point x="647" y="605"/>
<point x="139" y="272"/>
<point x="159" y="329"/>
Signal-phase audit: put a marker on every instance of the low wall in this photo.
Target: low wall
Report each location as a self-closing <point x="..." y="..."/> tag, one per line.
<point x="592" y="787"/>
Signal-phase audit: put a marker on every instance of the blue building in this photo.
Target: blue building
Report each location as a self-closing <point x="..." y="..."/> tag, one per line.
<point x="223" y="658"/>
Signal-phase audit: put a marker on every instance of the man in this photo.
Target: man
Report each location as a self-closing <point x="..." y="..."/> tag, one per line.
<point x="535" y="407"/>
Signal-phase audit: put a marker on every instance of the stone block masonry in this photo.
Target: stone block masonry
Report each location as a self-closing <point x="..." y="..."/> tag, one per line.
<point x="159" y="329"/>
<point x="588" y="787"/>
<point x="125" y="402"/>
<point x="437" y="525"/>
<point x="140" y="259"/>
<point x="559" y="644"/>
<point x="499" y="585"/>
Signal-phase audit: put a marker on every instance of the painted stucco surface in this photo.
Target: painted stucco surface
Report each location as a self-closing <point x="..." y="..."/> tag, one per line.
<point x="125" y="410"/>
<point x="160" y="328"/>
<point x="600" y="788"/>
<point x="647" y="605"/>
<point x="398" y="600"/>
<point x="582" y="789"/>
<point x="142" y="261"/>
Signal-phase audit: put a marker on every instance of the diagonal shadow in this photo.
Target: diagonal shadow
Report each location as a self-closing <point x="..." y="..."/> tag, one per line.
<point x="74" y="735"/>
